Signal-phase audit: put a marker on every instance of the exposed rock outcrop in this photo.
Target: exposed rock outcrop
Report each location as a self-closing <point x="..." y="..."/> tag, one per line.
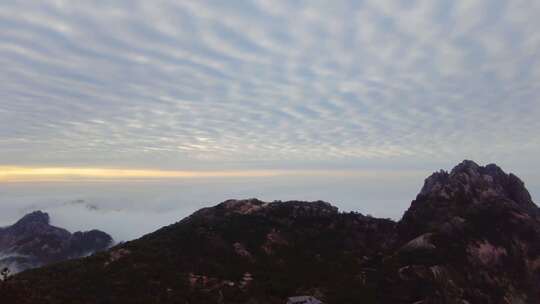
<point x="483" y="231"/>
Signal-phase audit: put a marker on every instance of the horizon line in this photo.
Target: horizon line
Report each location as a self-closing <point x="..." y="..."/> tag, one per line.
<point x="19" y="174"/>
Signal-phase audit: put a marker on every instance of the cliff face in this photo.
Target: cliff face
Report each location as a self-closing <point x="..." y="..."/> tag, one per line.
<point x="32" y="242"/>
<point x="467" y="187"/>
<point x="471" y="236"/>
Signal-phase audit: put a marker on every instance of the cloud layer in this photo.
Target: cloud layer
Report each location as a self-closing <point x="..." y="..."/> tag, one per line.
<point x="252" y="84"/>
<point x="128" y="210"/>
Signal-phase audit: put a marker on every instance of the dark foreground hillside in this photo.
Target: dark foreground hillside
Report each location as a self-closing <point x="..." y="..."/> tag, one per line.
<point x="470" y="236"/>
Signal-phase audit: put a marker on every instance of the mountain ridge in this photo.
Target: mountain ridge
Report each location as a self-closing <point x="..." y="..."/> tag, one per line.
<point x="472" y="235"/>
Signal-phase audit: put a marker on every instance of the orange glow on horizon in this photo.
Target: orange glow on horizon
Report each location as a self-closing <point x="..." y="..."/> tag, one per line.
<point x="19" y="174"/>
<point x="67" y="174"/>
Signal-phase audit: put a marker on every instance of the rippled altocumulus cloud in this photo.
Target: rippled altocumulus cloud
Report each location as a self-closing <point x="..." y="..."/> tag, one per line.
<point x="248" y="83"/>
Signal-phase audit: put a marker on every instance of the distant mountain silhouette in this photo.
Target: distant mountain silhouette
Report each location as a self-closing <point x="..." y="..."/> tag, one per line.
<point x="33" y="242"/>
<point x="470" y="236"/>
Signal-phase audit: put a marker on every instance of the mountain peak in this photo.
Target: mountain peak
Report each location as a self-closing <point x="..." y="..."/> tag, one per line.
<point x="466" y="166"/>
<point x="37" y="217"/>
<point x="467" y="187"/>
<point x="473" y="183"/>
<point x="32" y="242"/>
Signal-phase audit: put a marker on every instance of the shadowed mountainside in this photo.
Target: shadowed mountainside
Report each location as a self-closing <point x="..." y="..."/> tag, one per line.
<point x="471" y="236"/>
<point x="32" y="242"/>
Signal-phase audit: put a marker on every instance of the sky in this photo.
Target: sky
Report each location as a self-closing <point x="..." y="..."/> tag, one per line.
<point x="152" y="109"/>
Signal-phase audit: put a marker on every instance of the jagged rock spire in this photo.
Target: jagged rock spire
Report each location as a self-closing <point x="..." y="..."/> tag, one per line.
<point x="445" y="196"/>
<point x="473" y="183"/>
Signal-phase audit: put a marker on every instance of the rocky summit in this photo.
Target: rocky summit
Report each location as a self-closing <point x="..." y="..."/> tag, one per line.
<point x="472" y="235"/>
<point x="32" y="242"/>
